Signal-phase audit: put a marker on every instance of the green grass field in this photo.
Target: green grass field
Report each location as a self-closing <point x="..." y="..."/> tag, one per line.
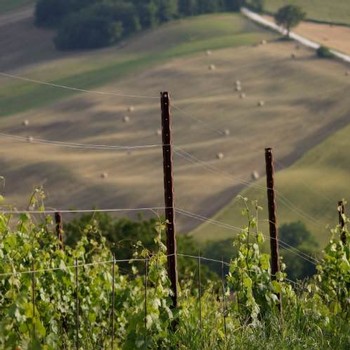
<point x="321" y="10"/>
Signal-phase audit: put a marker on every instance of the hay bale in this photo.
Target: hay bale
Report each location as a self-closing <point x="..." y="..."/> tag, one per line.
<point x="220" y="155"/>
<point x="263" y="42"/>
<point x="104" y="175"/>
<point x="238" y="88"/>
<point x="255" y="175"/>
<point x="126" y="119"/>
<point x="261" y="103"/>
<point x="212" y="67"/>
<point x="30" y="139"/>
<point x="238" y="83"/>
<point x="227" y="132"/>
<point x="208" y="52"/>
<point x="25" y="122"/>
<point x="131" y="109"/>
<point x="242" y="95"/>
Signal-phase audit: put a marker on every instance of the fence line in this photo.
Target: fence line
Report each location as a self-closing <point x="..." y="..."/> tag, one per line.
<point x="78" y="145"/>
<point x="66" y="87"/>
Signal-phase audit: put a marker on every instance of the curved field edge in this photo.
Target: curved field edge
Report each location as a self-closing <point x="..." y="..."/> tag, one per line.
<point x="308" y="191"/>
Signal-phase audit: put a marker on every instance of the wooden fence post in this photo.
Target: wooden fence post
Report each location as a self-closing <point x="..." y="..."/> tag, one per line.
<point x="169" y="195"/>
<point x="272" y="213"/>
<point x="341" y="212"/>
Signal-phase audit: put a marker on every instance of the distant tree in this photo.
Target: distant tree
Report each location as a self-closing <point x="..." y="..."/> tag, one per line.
<point x="148" y="14"/>
<point x="210" y="6"/>
<point x="255" y="5"/>
<point x="49" y="13"/>
<point x="296" y="234"/>
<point x="233" y="5"/>
<point x="289" y="17"/>
<point x="86" y="30"/>
<point x="298" y="261"/>
<point x="188" y="7"/>
<point x="167" y="10"/>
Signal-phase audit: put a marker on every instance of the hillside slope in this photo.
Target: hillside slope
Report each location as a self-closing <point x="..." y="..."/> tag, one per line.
<point x="304" y="101"/>
<point x="308" y="191"/>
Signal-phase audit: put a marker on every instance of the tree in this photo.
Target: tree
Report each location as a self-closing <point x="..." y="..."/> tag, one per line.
<point x="256" y="5"/>
<point x="296" y="235"/>
<point x="289" y="17"/>
<point x="86" y="30"/>
<point x="188" y="7"/>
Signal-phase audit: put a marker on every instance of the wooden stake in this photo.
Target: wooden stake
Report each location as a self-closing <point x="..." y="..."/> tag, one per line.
<point x="169" y="195"/>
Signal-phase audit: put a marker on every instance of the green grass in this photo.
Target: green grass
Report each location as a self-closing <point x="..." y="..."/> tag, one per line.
<point x="308" y="191"/>
<point x="337" y="11"/>
<point x="10" y="5"/>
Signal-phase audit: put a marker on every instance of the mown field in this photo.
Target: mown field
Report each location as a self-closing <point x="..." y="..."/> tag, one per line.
<point x="305" y="100"/>
<point x="321" y="10"/>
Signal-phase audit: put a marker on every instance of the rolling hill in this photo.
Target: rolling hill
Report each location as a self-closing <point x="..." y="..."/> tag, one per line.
<point x="290" y="104"/>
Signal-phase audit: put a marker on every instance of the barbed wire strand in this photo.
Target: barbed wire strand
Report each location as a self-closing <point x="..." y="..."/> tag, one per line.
<point x="295" y="251"/>
<point x="78" y="211"/>
<point x="66" y="87"/>
<point x="283" y="199"/>
<point x="32" y="140"/>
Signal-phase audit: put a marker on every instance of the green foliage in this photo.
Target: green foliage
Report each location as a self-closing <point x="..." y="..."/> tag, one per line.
<point x="256" y="5"/>
<point x="48" y="296"/>
<point x="324" y="52"/>
<point x="250" y="274"/>
<point x="289" y="16"/>
<point x="89" y="29"/>
<point x="96" y="23"/>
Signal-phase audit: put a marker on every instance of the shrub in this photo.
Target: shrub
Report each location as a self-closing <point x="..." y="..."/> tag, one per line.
<point x="324" y="52"/>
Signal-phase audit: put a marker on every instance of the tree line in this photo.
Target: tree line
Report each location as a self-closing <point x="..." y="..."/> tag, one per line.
<point x="87" y="24"/>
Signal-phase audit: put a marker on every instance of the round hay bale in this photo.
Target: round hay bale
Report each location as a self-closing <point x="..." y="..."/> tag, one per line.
<point x="131" y="109"/>
<point x="208" y="52"/>
<point x="261" y="103"/>
<point x="25" y="122"/>
<point x="30" y="139"/>
<point x="263" y="42"/>
<point x="238" y="83"/>
<point x="104" y="175"/>
<point x="255" y="175"/>
<point x="159" y="132"/>
<point x="126" y="119"/>
<point x="238" y="88"/>
<point x="212" y="67"/>
<point x="220" y="155"/>
<point x="227" y="132"/>
<point x="242" y="95"/>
